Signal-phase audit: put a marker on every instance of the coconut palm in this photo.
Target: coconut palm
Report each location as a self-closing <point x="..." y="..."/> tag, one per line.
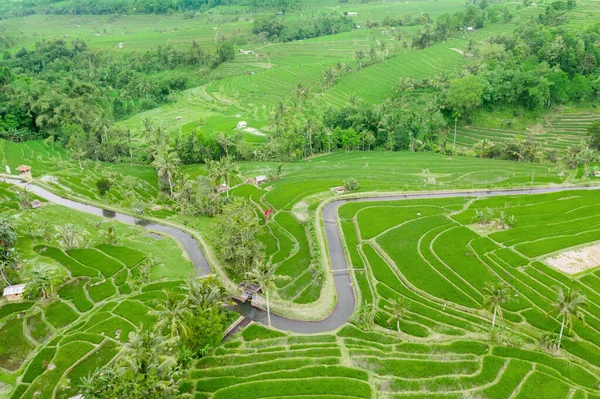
<point x="397" y="311"/>
<point x="224" y="141"/>
<point x="171" y="313"/>
<point x="483" y="147"/>
<point x="222" y="171"/>
<point x="568" y="306"/>
<point x="166" y="164"/>
<point x="205" y="292"/>
<point x="263" y="274"/>
<point x="495" y="295"/>
<point x="145" y="353"/>
<point x="39" y="282"/>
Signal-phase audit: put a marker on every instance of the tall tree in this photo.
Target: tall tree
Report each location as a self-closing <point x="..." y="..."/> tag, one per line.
<point x="223" y="171"/>
<point x="264" y="275"/>
<point x="398" y="311"/>
<point x="568" y="306"/>
<point x="237" y="229"/>
<point x="494" y="296"/>
<point x="39" y="282"/>
<point x="171" y="314"/>
<point x="166" y="164"/>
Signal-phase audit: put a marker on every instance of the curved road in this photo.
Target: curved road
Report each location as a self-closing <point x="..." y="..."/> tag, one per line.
<point x="343" y="282"/>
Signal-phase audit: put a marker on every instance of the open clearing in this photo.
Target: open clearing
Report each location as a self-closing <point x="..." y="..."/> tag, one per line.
<point x="576" y="260"/>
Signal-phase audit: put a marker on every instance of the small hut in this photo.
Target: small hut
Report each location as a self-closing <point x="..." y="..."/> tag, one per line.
<point x="222" y="188"/>
<point x="260" y="179"/>
<point x="24" y="170"/>
<point x="242" y="125"/>
<point x="248" y="291"/>
<point x="121" y="45"/>
<point x="14" y="292"/>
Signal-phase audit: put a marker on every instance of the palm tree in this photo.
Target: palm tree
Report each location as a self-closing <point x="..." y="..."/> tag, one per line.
<point x="145" y="353"/>
<point x="224" y="141"/>
<point x="5" y="267"/>
<point x="568" y="305"/>
<point x="166" y="164"/>
<point x="171" y="314"/>
<point x="222" y="171"/>
<point x="78" y="153"/>
<point x="205" y="292"/>
<point x="360" y="56"/>
<point x="39" y="282"/>
<point x="398" y="311"/>
<point x="102" y="127"/>
<point x="263" y="274"/>
<point x="495" y="295"/>
<point x="483" y="147"/>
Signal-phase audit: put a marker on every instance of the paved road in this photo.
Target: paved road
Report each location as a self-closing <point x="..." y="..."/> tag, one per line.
<point x="343" y="282"/>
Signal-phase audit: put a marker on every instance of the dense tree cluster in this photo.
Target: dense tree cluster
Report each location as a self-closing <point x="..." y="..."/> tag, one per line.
<point x="277" y="28"/>
<point x="65" y="90"/>
<point x="8" y="255"/>
<point x="154" y="361"/>
<point x="15" y="8"/>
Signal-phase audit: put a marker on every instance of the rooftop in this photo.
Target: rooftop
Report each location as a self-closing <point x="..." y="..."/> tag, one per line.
<point x="14" y="289"/>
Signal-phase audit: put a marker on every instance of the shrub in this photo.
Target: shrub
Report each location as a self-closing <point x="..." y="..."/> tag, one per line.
<point x="351" y="184"/>
<point x="103" y="185"/>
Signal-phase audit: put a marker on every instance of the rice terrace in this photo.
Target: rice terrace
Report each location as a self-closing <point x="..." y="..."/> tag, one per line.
<point x="303" y="199"/>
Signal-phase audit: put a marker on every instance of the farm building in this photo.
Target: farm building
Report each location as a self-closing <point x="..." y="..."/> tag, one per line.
<point x="121" y="45"/>
<point x="352" y="14"/>
<point x="14" y="292"/>
<point x="260" y="179"/>
<point x="242" y="125"/>
<point x="222" y="188"/>
<point x="248" y="291"/>
<point x="24" y="171"/>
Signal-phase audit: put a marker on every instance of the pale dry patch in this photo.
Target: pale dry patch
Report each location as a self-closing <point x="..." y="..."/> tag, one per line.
<point x="485" y="229"/>
<point x="300" y="211"/>
<point x="459" y="51"/>
<point x="576" y="260"/>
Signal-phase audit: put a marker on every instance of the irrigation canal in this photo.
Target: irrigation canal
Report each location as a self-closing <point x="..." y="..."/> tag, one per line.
<point x="343" y="282"/>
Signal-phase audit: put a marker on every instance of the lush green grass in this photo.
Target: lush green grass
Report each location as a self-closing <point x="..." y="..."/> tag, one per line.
<point x="255" y="331"/>
<point x="14" y="347"/>
<point x="59" y="314"/>
<point x="14" y="307"/>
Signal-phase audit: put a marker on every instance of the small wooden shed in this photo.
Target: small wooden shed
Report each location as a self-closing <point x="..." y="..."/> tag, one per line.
<point x="248" y="291"/>
<point x="24" y="170"/>
<point x="14" y="292"/>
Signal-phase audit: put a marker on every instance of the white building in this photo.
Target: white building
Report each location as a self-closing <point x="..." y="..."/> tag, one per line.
<point x="242" y="125"/>
<point x="14" y="292"/>
<point x="260" y="179"/>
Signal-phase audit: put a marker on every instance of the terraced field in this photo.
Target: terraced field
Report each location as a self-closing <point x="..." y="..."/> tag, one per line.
<point x="434" y="255"/>
<point x="100" y="303"/>
<point x="103" y="292"/>
<point x="560" y="132"/>
<point x="356" y="364"/>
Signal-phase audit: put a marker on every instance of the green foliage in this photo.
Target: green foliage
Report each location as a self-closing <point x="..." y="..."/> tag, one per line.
<point x="236" y="229"/>
<point x="15" y="307"/>
<point x="36" y="366"/>
<point x="206" y="330"/>
<point x="257" y="332"/>
<point x="103" y="185"/>
<point x="14" y="348"/>
<point x="351" y="184"/>
<point x="59" y="314"/>
<point x="465" y="94"/>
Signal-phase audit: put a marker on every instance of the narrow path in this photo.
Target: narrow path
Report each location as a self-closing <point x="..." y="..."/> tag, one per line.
<point x="343" y="283"/>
